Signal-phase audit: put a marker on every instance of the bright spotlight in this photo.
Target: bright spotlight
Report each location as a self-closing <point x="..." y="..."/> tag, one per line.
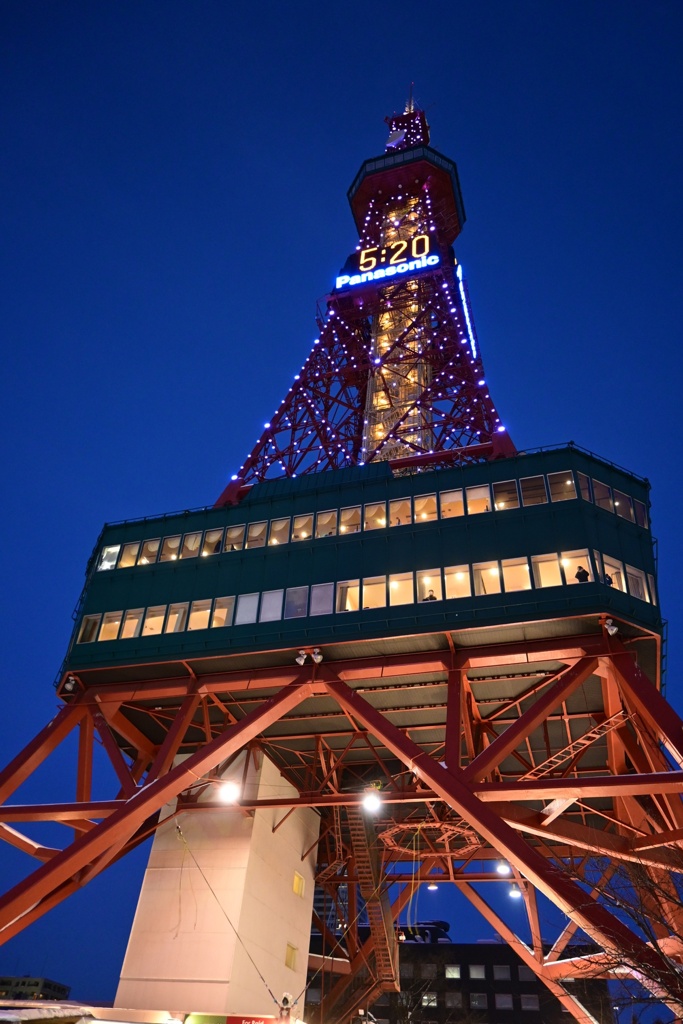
<point x="229" y="792"/>
<point x="372" y="801"/>
<point x="503" y="869"/>
<point x="432" y="887"/>
<point x="515" y="893"/>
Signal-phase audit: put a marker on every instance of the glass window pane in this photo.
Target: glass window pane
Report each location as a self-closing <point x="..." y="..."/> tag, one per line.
<point x="585" y="486"/>
<point x="177" y="618"/>
<point x="375" y="516"/>
<point x="347" y="595"/>
<point x="326" y="524"/>
<point x="350" y="520"/>
<point x="375" y="592"/>
<point x="525" y="973"/>
<point x="302" y="527"/>
<point x="428" y="972"/>
<point x="603" y="496"/>
<point x="457" y="579"/>
<point x="546" y="570"/>
<point x="170" y="549"/>
<point x="478" y="499"/>
<point x="400" y="512"/>
<point x="452" y="504"/>
<point x="425" y="508"/>
<point x="234" y="538"/>
<point x="401" y="588"/>
<point x="503" y="1001"/>
<point x="614" y="573"/>
<point x="576" y="566"/>
<point x="516" y="574"/>
<point x="478" y="1000"/>
<point x="533" y="490"/>
<point x="296" y="601"/>
<point x="501" y="972"/>
<point x="505" y="495"/>
<point x="199" y="614"/>
<point x="453" y="999"/>
<point x="149" y="551"/>
<point x="641" y="513"/>
<point x="247" y="606"/>
<point x="88" y="630"/>
<point x="477" y="972"/>
<point x="429" y="585"/>
<point x="529" y="1001"/>
<point x="429" y="998"/>
<point x="108" y="557"/>
<point x="256" y="535"/>
<point x="154" y="620"/>
<point x="279" y="531"/>
<point x="129" y="555"/>
<point x="452" y="970"/>
<point x="131" y="623"/>
<point x="486" y="578"/>
<point x="271" y="605"/>
<point x="190" y="545"/>
<point x="322" y="598"/>
<point x="561" y="486"/>
<point x="623" y="506"/>
<point x="111" y="621"/>
<point x="634" y="577"/>
<point x="213" y="542"/>
<point x="652" y="588"/>
<point x="222" y="611"/>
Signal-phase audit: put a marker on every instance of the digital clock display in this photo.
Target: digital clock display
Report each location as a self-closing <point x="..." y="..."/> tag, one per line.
<point x="406" y="256"/>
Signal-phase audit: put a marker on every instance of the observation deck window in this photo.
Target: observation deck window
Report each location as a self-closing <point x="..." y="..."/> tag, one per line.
<point x="256" y="535"/>
<point x="603" y="496"/>
<point x="533" y="490"/>
<point x="176" y="620"/>
<point x="322" y="599"/>
<point x="129" y="555"/>
<point x="400" y="512"/>
<point x="296" y="602"/>
<point x="505" y="495"/>
<point x="375" y="592"/>
<point x="88" y="630"/>
<point x="452" y="504"/>
<point x="425" y="508"/>
<point x="615" y="570"/>
<point x="223" y="608"/>
<point x="132" y="623"/>
<point x="585" y="486"/>
<point x="458" y="584"/>
<point x="562" y="486"/>
<point x="271" y="605"/>
<point x="190" y="546"/>
<point x="486" y="578"/>
<point x="375" y="516"/>
<point x="108" y="557"/>
<point x="350" y="520"/>
<point x="234" y="538"/>
<point x="636" y="583"/>
<point x="302" y="527"/>
<point x="213" y="542"/>
<point x="154" y="620"/>
<point x="640" y="513"/>
<point x="516" y="574"/>
<point x="247" y="607"/>
<point x="279" y="531"/>
<point x="149" y="551"/>
<point x="429" y="585"/>
<point x="401" y="588"/>
<point x="111" y="623"/>
<point x="623" y="506"/>
<point x="478" y="499"/>
<point x="546" y="570"/>
<point x="170" y="549"/>
<point x="200" y="612"/>
<point x="653" y="591"/>
<point x="573" y="562"/>
<point x="326" y="524"/>
<point x="348" y="592"/>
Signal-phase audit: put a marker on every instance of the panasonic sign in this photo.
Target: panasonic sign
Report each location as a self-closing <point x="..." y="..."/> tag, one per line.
<point x="409" y="267"/>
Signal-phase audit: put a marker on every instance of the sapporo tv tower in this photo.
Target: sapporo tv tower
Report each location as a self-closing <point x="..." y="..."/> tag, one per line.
<point x="395" y="651"/>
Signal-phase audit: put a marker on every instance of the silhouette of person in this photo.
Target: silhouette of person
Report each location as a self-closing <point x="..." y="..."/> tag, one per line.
<point x="430" y="596"/>
<point x="582" y="575"/>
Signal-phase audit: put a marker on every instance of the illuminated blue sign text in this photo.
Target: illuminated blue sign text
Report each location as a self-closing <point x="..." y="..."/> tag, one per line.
<point x="409" y="267"/>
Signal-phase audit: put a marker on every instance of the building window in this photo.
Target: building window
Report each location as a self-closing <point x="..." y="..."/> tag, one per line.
<point x="615" y="571"/>
<point x="457" y="579"/>
<point x="400" y="512"/>
<point x="530" y="1002"/>
<point x="375" y="592"/>
<point x="425" y="508"/>
<point x="525" y="973"/>
<point x="478" y="499"/>
<point x="603" y="496"/>
<point x="406" y="971"/>
<point x="326" y="524"/>
<point x="505" y="495"/>
<point x="477" y="972"/>
<point x="149" y="551"/>
<point x="176" y="621"/>
<point x="533" y="491"/>
<point x="170" y="549"/>
<point x="653" y="591"/>
<point x="88" y="630"/>
<point x="213" y="542"/>
<point x="640" y="513"/>
<point x="299" y="884"/>
<point x="486" y="578"/>
<point x="546" y="570"/>
<point x="256" y="535"/>
<point x="453" y="1000"/>
<point x="561" y="486"/>
<point x="200" y="612"/>
<point x="271" y="605"/>
<point x="516" y="574"/>
<point x="575" y="565"/>
<point x="429" y="998"/>
<point x="584" y="486"/>
<point x="108" y="557"/>
<point x="302" y="527"/>
<point x="452" y="970"/>
<point x="503" y="1001"/>
<point x="429" y="585"/>
<point x="623" y="506"/>
<point x="636" y="584"/>
<point x="428" y="972"/>
<point x="478" y="1001"/>
<point x="452" y="504"/>
<point x="375" y="516"/>
<point x="131" y="623"/>
<point x="350" y="520"/>
<point x="222" y="611"/>
<point x="347" y="595"/>
<point x="129" y="555"/>
<point x="154" y="620"/>
<point x="234" y="538"/>
<point x="111" y="622"/>
<point x="322" y="599"/>
<point x="247" y="606"/>
<point x="190" y="548"/>
<point x="501" y="972"/>
<point x="401" y="588"/>
<point x="296" y="602"/>
<point x="290" y="956"/>
<point x="279" y="531"/>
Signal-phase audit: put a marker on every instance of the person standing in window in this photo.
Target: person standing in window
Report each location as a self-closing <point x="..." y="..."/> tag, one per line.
<point x="581" y="575"/>
<point x="430" y="596"/>
<point x="608" y="579"/>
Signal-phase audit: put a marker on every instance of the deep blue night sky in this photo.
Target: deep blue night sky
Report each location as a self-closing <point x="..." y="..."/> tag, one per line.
<point x="173" y="184"/>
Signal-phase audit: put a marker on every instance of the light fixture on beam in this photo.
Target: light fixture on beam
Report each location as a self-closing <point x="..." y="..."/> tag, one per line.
<point x="301" y="657"/>
<point x="372" y="800"/>
<point x="229" y="792"/>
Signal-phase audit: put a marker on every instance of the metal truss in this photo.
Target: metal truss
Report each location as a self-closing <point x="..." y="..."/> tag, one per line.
<point x="467" y="776"/>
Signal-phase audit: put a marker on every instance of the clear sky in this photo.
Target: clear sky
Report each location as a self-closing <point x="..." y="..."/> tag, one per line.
<point x="173" y="179"/>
